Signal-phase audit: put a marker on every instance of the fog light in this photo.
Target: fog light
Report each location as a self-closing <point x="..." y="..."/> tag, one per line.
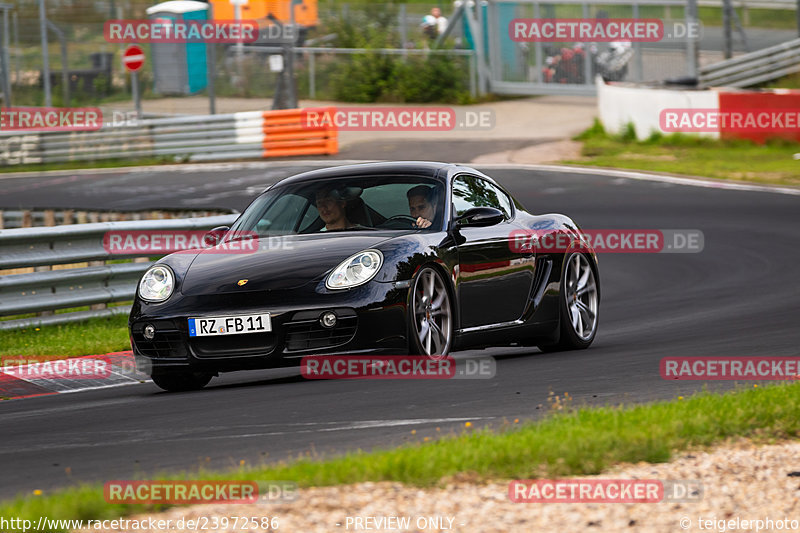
<point x="149" y="332"/>
<point x="328" y="319"/>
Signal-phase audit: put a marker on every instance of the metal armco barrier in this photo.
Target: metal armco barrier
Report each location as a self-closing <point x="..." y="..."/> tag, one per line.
<point x="28" y="218"/>
<point x="245" y="135"/>
<point x="753" y="68"/>
<point x="74" y="287"/>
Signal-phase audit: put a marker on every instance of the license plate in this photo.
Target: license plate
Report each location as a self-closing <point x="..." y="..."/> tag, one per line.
<point x="229" y="325"/>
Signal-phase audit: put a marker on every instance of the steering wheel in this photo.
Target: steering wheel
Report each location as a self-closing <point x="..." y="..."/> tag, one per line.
<point x="397" y="218"/>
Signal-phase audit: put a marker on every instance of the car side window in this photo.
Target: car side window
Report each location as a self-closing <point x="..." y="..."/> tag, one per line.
<point x="281" y="215"/>
<point x="470" y="191"/>
<point x="505" y="201"/>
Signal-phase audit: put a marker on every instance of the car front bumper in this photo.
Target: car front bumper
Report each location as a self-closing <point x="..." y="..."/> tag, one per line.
<point x="370" y="319"/>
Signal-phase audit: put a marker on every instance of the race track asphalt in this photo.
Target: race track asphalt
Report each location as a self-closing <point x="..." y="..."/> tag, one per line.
<point x="738" y="297"/>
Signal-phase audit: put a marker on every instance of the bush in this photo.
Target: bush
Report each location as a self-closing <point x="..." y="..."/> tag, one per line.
<point x="374" y="77"/>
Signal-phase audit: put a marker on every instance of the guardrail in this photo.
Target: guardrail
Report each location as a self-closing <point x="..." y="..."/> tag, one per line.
<point x="244" y="135"/>
<point x="94" y="285"/>
<point x="28" y="218"/>
<point x="753" y="68"/>
<point x="753" y="4"/>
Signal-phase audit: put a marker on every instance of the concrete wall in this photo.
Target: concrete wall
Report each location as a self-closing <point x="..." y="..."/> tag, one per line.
<point x="618" y="105"/>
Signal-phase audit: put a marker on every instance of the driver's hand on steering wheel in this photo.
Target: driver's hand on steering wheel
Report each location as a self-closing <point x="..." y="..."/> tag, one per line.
<point x="422" y="223"/>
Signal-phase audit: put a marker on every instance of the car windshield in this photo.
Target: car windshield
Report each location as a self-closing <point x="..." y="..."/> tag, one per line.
<point x="346" y="204"/>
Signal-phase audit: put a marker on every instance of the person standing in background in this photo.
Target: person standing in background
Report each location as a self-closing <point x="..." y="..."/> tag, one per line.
<point x="433" y="25"/>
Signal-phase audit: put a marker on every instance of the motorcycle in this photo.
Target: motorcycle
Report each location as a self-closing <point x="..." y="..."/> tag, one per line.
<point x="566" y="65"/>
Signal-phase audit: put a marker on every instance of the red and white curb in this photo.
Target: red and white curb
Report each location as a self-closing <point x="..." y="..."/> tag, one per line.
<point x="68" y="375"/>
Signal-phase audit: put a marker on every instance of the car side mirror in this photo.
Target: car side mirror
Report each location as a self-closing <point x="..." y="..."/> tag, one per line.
<point x="214" y="236"/>
<point x="480" y="216"/>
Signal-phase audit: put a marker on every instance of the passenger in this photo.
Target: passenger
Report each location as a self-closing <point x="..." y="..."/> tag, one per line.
<point x="422" y="205"/>
<point x="331" y="208"/>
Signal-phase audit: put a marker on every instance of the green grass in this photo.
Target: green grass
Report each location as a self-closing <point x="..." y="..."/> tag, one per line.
<point x="792" y="81"/>
<point x="740" y="160"/>
<point x="570" y="442"/>
<point x="94" y="336"/>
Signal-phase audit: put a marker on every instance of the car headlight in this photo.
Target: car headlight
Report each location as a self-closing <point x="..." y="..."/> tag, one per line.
<point x="355" y="270"/>
<point x="157" y="284"/>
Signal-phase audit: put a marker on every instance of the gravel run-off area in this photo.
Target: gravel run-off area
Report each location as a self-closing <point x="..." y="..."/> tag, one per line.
<point x="739" y="482"/>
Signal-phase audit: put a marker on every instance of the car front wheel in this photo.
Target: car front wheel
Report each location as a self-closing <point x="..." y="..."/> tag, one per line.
<point x="430" y="315"/>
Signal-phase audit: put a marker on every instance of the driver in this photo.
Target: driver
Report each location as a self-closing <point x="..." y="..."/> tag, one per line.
<point x="331" y="208"/>
<point x="421" y="205"/>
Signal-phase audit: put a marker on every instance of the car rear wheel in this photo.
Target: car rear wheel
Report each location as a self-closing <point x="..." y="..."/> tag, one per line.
<point x="430" y="315"/>
<point x="578" y="305"/>
<point x="181" y="381"/>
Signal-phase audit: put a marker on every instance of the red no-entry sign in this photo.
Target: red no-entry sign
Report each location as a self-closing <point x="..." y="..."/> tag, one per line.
<point x="133" y="58"/>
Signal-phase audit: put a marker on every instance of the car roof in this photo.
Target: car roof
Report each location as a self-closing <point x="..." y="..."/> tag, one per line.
<point x="410" y="168"/>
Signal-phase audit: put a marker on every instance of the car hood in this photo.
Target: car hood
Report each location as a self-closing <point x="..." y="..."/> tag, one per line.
<point x="279" y="263"/>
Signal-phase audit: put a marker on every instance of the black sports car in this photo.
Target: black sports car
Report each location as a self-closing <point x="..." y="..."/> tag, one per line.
<point x="383" y="258"/>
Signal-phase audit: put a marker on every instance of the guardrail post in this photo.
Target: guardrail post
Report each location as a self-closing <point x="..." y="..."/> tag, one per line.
<point x="539" y="53"/>
<point x="727" y="8"/>
<point x="473" y="82"/>
<point x="495" y="57"/>
<point x="797" y="15"/>
<point x="312" y="75"/>
<point x="691" y="42"/>
<point x="637" y="50"/>
<point x="95" y="307"/>
<point x="587" y="60"/>
<point x="48" y="220"/>
<point x="211" y="68"/>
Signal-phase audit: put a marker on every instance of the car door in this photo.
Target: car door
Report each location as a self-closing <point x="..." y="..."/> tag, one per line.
<point x="493" y="280"/>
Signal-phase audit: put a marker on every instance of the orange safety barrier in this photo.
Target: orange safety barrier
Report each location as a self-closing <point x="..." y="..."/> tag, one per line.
<point x="306" y="14"/>
<point x="286" y="134"/>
